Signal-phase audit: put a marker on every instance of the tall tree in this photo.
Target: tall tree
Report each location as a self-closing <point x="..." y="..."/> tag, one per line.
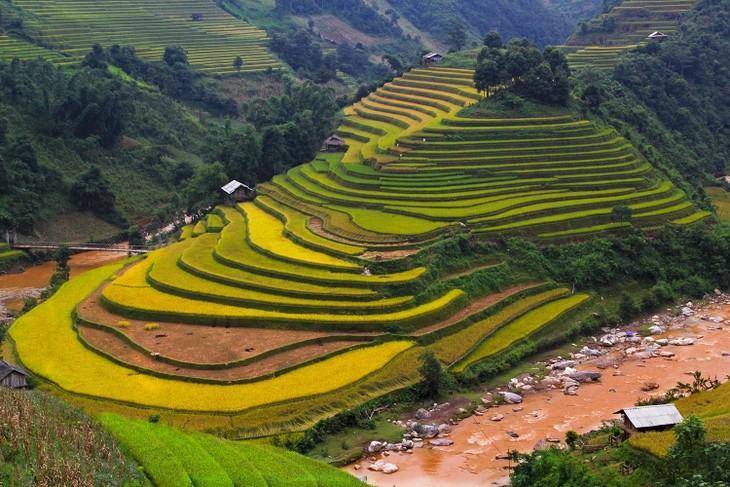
<point x="455" y="34"/>
<point x="238" y="64"/>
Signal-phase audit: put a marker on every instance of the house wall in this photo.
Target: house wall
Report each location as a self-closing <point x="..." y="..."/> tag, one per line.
<point x="14" y="381"/>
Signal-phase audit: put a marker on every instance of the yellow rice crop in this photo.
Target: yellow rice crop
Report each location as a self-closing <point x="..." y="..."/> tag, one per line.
<point x="520" y="328"/>
<point x="47" y="345"/>
<point x="267" y="233"/>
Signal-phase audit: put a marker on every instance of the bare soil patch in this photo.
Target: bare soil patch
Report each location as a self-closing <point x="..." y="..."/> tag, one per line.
<point x="116" y="347"/>
<point x="335" y="30"/>
<point x="199" y="343"/>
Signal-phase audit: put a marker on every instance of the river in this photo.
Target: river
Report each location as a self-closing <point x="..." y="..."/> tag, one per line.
<point x="550" y="413"/>
<point x="14" y="288"/>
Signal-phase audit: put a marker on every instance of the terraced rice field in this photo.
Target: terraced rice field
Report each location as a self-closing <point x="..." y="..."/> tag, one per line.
<point x="634" y="20"/>
<point x="288" y="308"/>
<point x="71" y="27"/>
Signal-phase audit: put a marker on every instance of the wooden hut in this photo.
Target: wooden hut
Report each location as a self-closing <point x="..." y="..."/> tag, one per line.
<point x="334" y="143"/>
<point x="650" y="418"/>
<point x="237" y="192"/>
<point x="12" y="377"/>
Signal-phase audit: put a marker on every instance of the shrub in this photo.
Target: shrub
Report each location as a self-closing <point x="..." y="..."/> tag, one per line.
<point x="151" y="326"/>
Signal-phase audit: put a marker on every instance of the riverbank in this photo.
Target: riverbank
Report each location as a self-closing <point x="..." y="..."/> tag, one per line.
<point x="16" y="287"/>
<point x="688" y="338"/>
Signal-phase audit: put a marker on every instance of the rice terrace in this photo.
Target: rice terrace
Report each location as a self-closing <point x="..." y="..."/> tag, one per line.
<point x="310" y="278"/>
<point x="465" y="214"/>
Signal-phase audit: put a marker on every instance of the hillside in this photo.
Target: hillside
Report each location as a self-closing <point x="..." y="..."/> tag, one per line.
<point x="341" y="264"/>
<point x="601" y="41"/>
<point x="63" y="32"/>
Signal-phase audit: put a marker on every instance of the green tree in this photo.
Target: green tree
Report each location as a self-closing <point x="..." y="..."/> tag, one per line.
<point x="433" y="375"/>
<point x="92" y="191"/>
<point x="203" y="190"/>
<point x="455" y="34"/>
<point x="493" y="40"/>
<point x="486" y="76"/>
<point x="175" y="55"/>
<point x="621" y="213"/>
<point x="238" y="64"/>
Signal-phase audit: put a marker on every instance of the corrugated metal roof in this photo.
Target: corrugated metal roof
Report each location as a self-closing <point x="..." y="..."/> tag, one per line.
<point x="233" y="186"/>
<point x="652" y="416"/>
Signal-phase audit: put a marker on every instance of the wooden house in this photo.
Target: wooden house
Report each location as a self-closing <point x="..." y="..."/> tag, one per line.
<point x="334" y="143"/>
<point x="237" y="192"/>
<point x="650" y="418"/>
<point x="431" y="58"/>
<point x="12" y="377"/>
<point x="197" y="17"/>
<point x="658" y="36"/>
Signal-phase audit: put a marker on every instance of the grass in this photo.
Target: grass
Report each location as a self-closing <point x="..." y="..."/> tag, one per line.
<point x="721" y="201"/>
<point x="519" y="329"/>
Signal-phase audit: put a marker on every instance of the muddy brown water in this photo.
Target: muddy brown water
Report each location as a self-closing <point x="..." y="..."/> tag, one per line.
<point x="15" y="287"/>
<point x="477" y="440"/>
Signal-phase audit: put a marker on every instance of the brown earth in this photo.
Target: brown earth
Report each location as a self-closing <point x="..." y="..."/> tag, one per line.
<point x="199" y="343"/>
<point x="116" y="347"/>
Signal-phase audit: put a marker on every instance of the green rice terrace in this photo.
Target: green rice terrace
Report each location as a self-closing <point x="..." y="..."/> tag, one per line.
<point x="65" y="30"/>
<point x="601" y="41"/>
<point x="234" y="327"/>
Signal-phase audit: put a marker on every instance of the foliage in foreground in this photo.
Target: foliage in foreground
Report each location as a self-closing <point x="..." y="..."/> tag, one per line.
<point x="44" y="442"/>
<point x="174" y="458"/>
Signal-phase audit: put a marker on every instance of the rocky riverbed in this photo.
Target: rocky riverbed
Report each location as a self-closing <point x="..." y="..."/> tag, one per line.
<point x="610" y="371"/>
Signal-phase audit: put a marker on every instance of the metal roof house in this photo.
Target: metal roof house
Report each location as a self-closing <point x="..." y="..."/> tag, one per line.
<point x="658" y="36"/>
<point x="237" y="192"/>
<point x="647" y="418"/>
<point x="432" y="57"/>
<point x="12" y="376"/>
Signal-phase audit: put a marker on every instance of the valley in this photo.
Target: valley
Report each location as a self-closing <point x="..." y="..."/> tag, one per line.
<point x="467" y="215"/>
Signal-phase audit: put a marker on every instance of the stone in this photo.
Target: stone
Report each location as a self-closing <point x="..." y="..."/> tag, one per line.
<point x="550" y="439"/>
<point x="418" y="444"/>
<point x="687" y="311"/>
<point x="423" y="414"/>
<point x="666" y="354"/>
<point x="408" y="444"/>
<point x="563" y="365"/>
<point x="682" y="342"/>
<point x="726" y="354"/>
<point x="441" y="442"/>
<point x="631" y="350"/>
<point x="656" y="330"/>
<point x="427" y="430"/>
<point x="662" y="342"/>
<point x="357" y="466"/>
<point x="497" y="418"/>
<point x="443" y="406"/>
<point x="461" y="411"/>
<point x="444" y="429"/>
<point x="649" y="386"/>
<point x="593" y="352"/>
<point x="383" y="466"/>
<point x="512" y="434"/>
<point x="502" y="456"/>
<point x="586" y="376"/>
<point x="517" y="409"/>
<point x="376" y="446"/>
<point x="511" y="397"/>
<point x="717" y="319"/>
<point x="571" y="391"/>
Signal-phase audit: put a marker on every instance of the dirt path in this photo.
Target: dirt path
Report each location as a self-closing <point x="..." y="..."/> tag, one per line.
<point x="550" y="413"/>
